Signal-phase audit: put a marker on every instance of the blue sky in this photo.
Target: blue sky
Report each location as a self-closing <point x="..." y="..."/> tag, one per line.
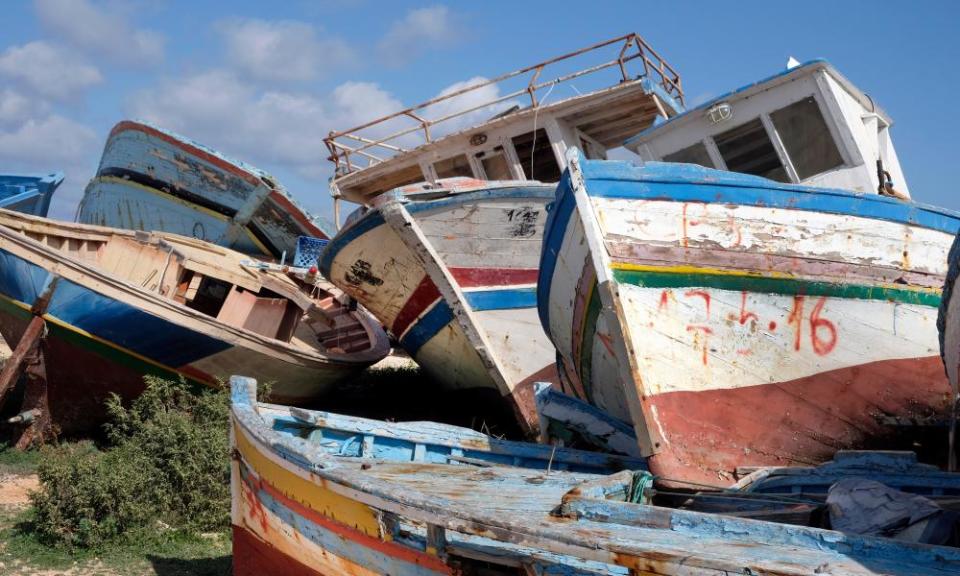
<point x="264" y="82"/>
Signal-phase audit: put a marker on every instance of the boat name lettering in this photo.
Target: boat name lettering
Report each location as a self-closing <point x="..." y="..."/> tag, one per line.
<point x="360" y="273"/>
<point x="525" y="220"/>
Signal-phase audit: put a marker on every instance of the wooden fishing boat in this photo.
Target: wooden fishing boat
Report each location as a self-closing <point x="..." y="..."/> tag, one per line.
<point x="447" y="254"/>
<point x="153" y="179"/>
<point x="453" y="278"/>
<point x="117" y="305"/>
<point x="738" y="321"/>
<point x="313" y="494"/>
<point x="948" y="325"/>
<point x="29" y="194"/>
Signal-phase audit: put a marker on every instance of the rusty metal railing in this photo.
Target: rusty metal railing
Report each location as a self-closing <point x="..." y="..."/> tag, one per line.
<point x="348" y="145"/>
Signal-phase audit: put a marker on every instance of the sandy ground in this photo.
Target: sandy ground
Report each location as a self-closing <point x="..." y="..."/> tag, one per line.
<point x="396" y="360"/>
<point x="14" y="489"/>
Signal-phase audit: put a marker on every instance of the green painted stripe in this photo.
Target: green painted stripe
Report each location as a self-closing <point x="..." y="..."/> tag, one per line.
<point x="100" y="349"/>
<point x="784" y="286"/>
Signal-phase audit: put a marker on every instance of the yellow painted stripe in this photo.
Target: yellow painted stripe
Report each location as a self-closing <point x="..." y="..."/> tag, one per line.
<point x="686" y="269"/>
<point x="213" y="214"/>
<point x="165" y="196"/>
<point x="311" y="494"/>
<point x="67" y="326"/>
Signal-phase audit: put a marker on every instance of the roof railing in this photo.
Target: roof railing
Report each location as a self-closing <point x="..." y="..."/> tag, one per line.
<point x="348" y="145"/>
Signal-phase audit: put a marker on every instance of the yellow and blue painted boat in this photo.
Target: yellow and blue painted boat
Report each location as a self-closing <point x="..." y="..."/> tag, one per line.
<point x="319" y="494"/>
<point x="118" y="305"/>
<point x="739" y="321"/>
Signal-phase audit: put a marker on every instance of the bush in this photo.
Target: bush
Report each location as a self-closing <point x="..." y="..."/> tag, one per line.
<point x="166" y="463"/>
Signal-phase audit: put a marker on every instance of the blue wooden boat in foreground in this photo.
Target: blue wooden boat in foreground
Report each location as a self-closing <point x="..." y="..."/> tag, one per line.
<point x="29" y="194"/>
<point x="315" y="493"/>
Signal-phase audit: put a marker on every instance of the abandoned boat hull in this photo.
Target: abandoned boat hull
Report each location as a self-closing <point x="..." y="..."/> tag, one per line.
<point x="105" y="334"/>
<point x="737" y="321"/>
<point x="27" y="193"/>
<point x="300" y="508"/>
<point x="152" y="179"/>
<point x="454" y="280"/>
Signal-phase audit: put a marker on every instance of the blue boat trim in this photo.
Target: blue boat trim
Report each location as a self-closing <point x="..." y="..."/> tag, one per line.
<point x="28" y="193"/>
<point x="370" y="221"/>
<point x="122" y="325"/>
<point x="690" y="183"/>
<point x="505" y="299"/>
<point x="424" y="329"/>
<point x="558" y="217"/>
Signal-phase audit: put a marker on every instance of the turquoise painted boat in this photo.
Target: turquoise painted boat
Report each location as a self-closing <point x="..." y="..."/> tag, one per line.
<point x="29" y="194"/>
<point x="153" y="179"/>
<point x="316" y="493"/>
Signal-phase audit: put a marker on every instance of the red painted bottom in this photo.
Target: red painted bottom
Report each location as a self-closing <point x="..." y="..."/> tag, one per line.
<point x="79" y="381"/>
<point x="804" y="421"/>
<point x="254" y="557"/>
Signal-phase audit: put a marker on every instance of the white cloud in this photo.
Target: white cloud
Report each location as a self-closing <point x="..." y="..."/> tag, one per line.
<point x="281" y="130"/>
<point x="104" y="30"/>
<point x="472" y="99"/>
<point x="282" y="50"/>
<point x="419" y="30"/>
<point x="53" y="143"/>
<point x="48" y="70"/>
<point x="15" y="108"/>
<point x="266" y="128"/>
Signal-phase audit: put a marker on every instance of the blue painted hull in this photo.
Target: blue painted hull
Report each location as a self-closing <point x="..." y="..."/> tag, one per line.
<point x="152" y="179"/>
<point x="28" y="194"/>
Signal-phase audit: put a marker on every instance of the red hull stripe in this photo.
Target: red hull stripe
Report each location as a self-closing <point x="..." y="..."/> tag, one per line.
<point x="425" y="294"/>
<point x="297" y="214"/>
<point x="276" y="196"/>
<point x="475" y="277"/>
<point x="254" y="557"/>
<point x="802" y="421"/>
<point x="388" y="548"/>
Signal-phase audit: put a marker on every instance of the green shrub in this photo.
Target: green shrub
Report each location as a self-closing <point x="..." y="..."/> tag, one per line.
<point x="166" y="464"/>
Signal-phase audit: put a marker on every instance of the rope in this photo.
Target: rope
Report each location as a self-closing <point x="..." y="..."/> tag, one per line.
<point x="638" y="485"/>
<point x="643" y="480"/>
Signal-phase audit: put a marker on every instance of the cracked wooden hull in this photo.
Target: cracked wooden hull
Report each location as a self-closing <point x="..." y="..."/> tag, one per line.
<point x="119" y="331"/>
<point x="308" y="497"/>
<point x="736" y="321"/>
<point x="454" y="280"/>
<point x="152" y="179"/>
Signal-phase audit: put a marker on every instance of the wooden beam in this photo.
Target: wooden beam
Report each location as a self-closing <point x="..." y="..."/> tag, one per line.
<point x="13" y="368"/>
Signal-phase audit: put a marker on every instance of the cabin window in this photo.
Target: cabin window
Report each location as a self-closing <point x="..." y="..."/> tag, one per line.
<point x="540" y="163"/>
<point x="748" y="149"/>
<point x="495" y="165"/>
<point x="806" y="137"/>
<point x="452" y="167"/>
<point x="696" y="154"/>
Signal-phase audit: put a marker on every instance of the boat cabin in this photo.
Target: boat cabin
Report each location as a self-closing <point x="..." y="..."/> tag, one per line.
<point x="806" y="125"/>
<point x="517" y="126"/>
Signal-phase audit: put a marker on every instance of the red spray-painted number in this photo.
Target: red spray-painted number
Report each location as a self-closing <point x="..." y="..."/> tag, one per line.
<point x="822" y="346"/>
